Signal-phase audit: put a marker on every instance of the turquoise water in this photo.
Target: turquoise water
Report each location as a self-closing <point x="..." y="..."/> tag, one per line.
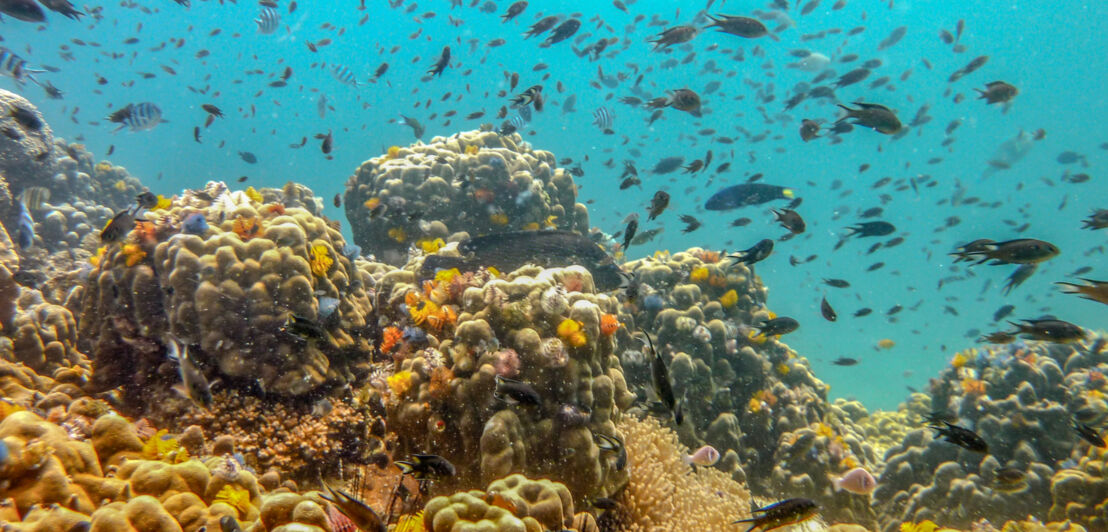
<point x="1049" y="51"/>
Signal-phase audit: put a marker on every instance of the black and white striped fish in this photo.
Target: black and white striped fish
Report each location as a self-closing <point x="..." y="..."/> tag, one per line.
<point x="15" y="67"/>
<point x="344" y="75"/>
<point x="518" y="121"/>
<point x="527" y="97"/>
<point x="268" y="21"/>
<point x="603" y="118"/>
<point x="137" y="116"/>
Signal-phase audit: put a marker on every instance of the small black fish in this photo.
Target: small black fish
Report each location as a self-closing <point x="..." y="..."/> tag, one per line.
<point x="515" y="392"/>
<point x="302" y="327"/>
<point x="782" y="513"/>
<point x="630" y="230"/>
<point x="146" y="200"/>
<point x="426" y="467"/>
<point x="1090" y="435"/>
<point x="756" y="253"/>
<point x="660" y="377"/>
<point x="691" y="223"/>
<point x="789" y="219"/>
<point x="864" y="229"/>
<point x="962" y="437"/>
<point x="248" y="157"/>
<point x="865" y="311"/>
<point x="837" y="283"/>
<point x="845" y="361"/>
<point x="778" y="326"/>
<point x="118" y="226"/>
<point x="658" y="204"/>
<point x="828" y="312"/>
<point x="612" y="444"/>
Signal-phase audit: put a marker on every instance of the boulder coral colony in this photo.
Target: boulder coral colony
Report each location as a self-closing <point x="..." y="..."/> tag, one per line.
<point x="327" y="366"/>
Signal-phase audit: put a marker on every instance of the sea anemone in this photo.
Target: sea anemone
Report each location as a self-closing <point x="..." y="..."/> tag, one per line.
<point x="729" y="299"/>
<point x="506" y="363"/>
<point x="390" y="337"/>
<point x="321" y="260"/>
<point x="246" y="227"/>
<point x="399" y="383"/>
<point x="699" y="275"/>
<point x="553" y="301"/>
<point x="570" y="332"/>
<point x="235" y="497"/>
<point x="554" y="352"/>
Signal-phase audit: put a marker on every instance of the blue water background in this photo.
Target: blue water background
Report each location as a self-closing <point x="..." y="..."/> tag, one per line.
<point x="1050" y="50"/>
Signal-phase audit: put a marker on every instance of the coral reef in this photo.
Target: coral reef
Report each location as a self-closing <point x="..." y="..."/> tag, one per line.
<point x="1020" y="398"/>
<point x="475" y="183"/>
<point x="223" y="272"/>
<point x="751" y="397"/>
<point x="539" y="327"/>
<point x="514" y="503"/>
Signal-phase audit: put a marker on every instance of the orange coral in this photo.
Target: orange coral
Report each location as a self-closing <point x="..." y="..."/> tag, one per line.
<point x="973" y="387"/>
<point x="707" y="256"/>
<point x="146" y="232"/>
<point x="609" y="324"/>
<point x="439" y="387"/>
<point x="275" y="208"/>
<point x="133" y="253"/>
<point x="390" y="337"/>
<point x="246" y="227"/>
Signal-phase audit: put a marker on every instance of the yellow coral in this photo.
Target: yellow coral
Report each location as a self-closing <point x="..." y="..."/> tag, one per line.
<point x="755" y="405"/>
<point x="472" y="149"/>
<point x="398" y="234"/>
<point x="958" y="361"/>
<point x="445" y="276"/>
<point x="421" y="309"/>
<point x="372" y="203"/>
<point x="163" y="203"/>
<point x="430" y="246"/>
<point x="568" y="327"/>
<point x="95" y="260"/>
<point x="729" y="299"/>
<point x="498" y="218"/>
<point x="549" y="221"/>
<point x="922" y="526"/>
<point x="133" y="253"/>
<point x="321" y="260"/>
<point x="400" y="382"/>
<point x="235" y="497"/>
<point x="103" y="167"/>
<point x="699" y="275"/>
<point x="493" y="271"/>
<point x="823" y="429"/>
<point x="121" y="185"/>
<point x="254" y="195"/>
<point x="783" y="368"/>
<point x="394" y="152"/>
<point x="410" y="523"/>
<point x="162" y="446"/>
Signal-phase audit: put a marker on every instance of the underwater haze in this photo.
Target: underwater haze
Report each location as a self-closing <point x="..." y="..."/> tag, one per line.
<point x="959" y="171"/>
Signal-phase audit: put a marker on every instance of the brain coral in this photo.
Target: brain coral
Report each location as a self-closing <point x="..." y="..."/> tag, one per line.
<point x="476" y="182"/>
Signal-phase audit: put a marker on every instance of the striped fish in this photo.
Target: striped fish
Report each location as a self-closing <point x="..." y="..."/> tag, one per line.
<point x="603" y="118"/>
<point x="344" y="75"/>
<point x="518" y="121"/>
<point x="137" y="116"/>
<point x="268" y="21"/>
<point x="15" y="67"/>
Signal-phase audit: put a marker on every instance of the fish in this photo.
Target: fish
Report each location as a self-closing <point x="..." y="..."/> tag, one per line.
<point x="194" y="385"/>
<point x="1097" y="220"/>
<point x="747" y="27"/>
<point x="564" y="31"/>
<point x="442" y="62"/>
<point x="510" y="250"/>
<point x="674" y="35"/>
<point x="25" y="231"/>
<point x="25" y="10"/>
<point x="632" y="221"/>
<point x="248" y="158"/>
<point x="756" y="253"/>
<point x="874" y="116"/>
<point x="1009" y="479"/>
<point x="997" y="92"/>
<point x="1019" y="251"/>
<point x="1050" y="330"/>
<point x="845" y="361"/>
<point x="691" y="223"/>
<point x="789" y="219"/>
<point x="705" y="456"/>
<point x="745" y="195"/>
<point x="809" y="129"/>
<point x="119" y="226"/>
<point x="344" y="75"/>
<point x="778" y="326"/>
<point x="660" y="378"/>
<point x="426" y="467"/>
<point x="603" y="118"/>
<point x="137" y="116"/>
<point x="417" y="127"/>
<point x="836" y="283"/>
<point x="658" y="204"/>
<point x="328" y="143"/>
<point x="302" y="327"/>
<point x="527" y="97"/>
<point x="268" y="21"/>
<point x="35" y="197"/>
<point x="1090" y="435"/>
<point x="541" y="26"/>
<point x="13" y="66"/>
<point x="515" y="392"/>
<point x="612" y="444"/>
<point x="781" y="513"/>
<point x="361" y="514"/>
<point x="513" y="11"/>
<point x="1091" y="290"/>
<point x="867" y="229"/>
<point x="857" y="481"/>
<point x="962" y="437"/>
<point x="827" y="312"/>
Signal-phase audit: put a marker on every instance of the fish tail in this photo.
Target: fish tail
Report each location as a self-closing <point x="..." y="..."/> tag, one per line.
<point x="849" y="113"/>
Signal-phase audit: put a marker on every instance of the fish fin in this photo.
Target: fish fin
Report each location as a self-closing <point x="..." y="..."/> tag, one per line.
<point x="405" y="466"/>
